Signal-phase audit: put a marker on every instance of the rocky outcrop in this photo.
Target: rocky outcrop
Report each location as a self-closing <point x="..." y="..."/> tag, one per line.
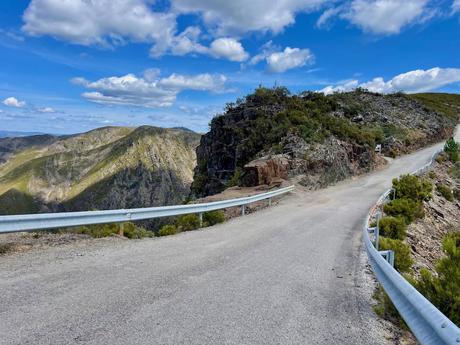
<point x="320" y="139"/>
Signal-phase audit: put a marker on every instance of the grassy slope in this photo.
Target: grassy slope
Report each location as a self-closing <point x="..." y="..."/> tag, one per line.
<point x="447" y="104"/>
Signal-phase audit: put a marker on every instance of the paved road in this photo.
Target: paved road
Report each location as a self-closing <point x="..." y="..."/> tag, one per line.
<point x="290" y="274"/>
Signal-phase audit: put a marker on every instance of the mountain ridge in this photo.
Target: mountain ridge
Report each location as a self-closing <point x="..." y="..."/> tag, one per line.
<point x="106" y="168"/>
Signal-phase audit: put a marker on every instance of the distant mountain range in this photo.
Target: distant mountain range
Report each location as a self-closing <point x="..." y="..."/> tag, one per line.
<point x="106" y="168"/>
<point x="12" y="134"/>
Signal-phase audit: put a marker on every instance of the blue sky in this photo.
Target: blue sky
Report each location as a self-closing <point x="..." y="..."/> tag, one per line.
<point x="68" y="66"/>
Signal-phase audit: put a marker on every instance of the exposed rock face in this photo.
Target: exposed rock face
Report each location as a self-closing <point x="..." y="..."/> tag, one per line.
<point x="324" y="139"/>
<point x="267" y="170"/>
<point x="106" y="168"/>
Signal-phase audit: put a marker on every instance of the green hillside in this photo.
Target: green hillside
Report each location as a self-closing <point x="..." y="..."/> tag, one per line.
<point x="65" y="173"/>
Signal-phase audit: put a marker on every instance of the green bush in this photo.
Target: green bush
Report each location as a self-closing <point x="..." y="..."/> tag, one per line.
<point x="455" y="171"/>
<point x="6" y="248"/>
<point x="393" y="227"/>
<point x="457" y="193"/>
<point x="213" y="217"/>
<point x="445" y="191"/>
<point x="167" y="230"/>
<point x="98" y="230"/>
<point x="443" y="290"/>
<point x="432" y="175"/>
<point x="130" y="230"/>
<point x="441" y="158"/>
<point x="235" y="180"/>
<point x="403" y="260"/>
<point x="451" y="149"/>
<point x="408" y="209"/>
<point x="412" y="187"/>
<point x="188" y="222"/>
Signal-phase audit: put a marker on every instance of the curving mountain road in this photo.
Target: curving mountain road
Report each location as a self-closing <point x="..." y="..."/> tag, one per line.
<point x="291" y="274"/>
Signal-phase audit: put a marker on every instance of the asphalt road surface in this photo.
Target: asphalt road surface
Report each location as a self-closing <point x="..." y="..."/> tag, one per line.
<point x="294" y="273"/>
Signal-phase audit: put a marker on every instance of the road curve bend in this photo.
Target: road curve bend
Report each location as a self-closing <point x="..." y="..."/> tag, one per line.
<point x="289" y="274"/>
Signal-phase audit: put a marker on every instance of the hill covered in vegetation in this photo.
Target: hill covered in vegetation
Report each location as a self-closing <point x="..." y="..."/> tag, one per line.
<point x="107" y="168"/>
<point x="319" y="139"/>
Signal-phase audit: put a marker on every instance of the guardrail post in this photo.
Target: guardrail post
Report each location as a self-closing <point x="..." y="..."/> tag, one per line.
<point x="243" y="209"/>
<point x="200" y="216"/>
<point x="375" y="232"/>
<point x="376" y="237"/>
<point x="389" y="256"/>
<point x="269" y="201"/>
<point x="121" y="229"/>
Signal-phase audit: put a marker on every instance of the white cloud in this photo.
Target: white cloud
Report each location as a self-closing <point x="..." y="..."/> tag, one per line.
<point x="343" y="87"/>
<point x="148" y="91"/>
<point x="456" y="6"/>
<point x="328" y="14"/>
<point x="385" y="16"/>
<point x="13" y="102"/>
<point x="289" y="58"/>
<point x="98" y="22"/>
<point x="240" y="16"/>
<point x="46" y="110"/>
<point x="114" y="22"/>
<point x="411" y="82"/>
<point x="187" y="42"/>
<point x="228" y="48"/>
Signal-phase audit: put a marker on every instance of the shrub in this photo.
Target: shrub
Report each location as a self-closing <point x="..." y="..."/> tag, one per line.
<point x="443" y="290"/>
<point x="167" y="230"/>
<point x="235" y="180"/>
<point x="130" y="230"/>
<point x="441" y="158"/>
<point x="412" y="187"/>
<point x="98" y="230"/>
<point x="445" y="191"/>
<point x="408" y="209"/>
<point x="213" y="217"/>
<point x="6" y="248"/>
<point x="457" y="193"/>
<point x="451" y="149"/>
<point x="393" y="227"/>
<point x="403" y="261"/>
<point x="455" y="171"/>
<point x="432" y="175"/>
<point x="188" y="222"/>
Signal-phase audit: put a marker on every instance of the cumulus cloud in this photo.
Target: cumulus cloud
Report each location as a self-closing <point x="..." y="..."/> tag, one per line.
<point x="150" y="90"/>
<point x="240" y="16"/>
<point x="46" y="110"/>
<point x="289" y="58"/>
<point x="13" y="102"/>
<point x="411" y="82"/>
<point x="385" y="16"/>
<point x="343" y="87"/>
<point x="228" y="48"/>
<point x="98" y="22"/>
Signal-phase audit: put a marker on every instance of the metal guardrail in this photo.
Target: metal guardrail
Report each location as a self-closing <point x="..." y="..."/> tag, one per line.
<point x="428" y="324"/>
<point x="32" y="222"/>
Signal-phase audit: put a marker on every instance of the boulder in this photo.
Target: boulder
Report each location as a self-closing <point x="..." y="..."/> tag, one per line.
<point x="267" y="170"/>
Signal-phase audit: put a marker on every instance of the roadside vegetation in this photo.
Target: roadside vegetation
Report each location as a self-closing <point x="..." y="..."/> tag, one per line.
<point x="130" y="230"/>
<point x="441" y="287"/>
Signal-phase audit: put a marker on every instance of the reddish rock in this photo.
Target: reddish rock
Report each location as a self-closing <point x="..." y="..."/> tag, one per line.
<point x="268" y="170"/>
